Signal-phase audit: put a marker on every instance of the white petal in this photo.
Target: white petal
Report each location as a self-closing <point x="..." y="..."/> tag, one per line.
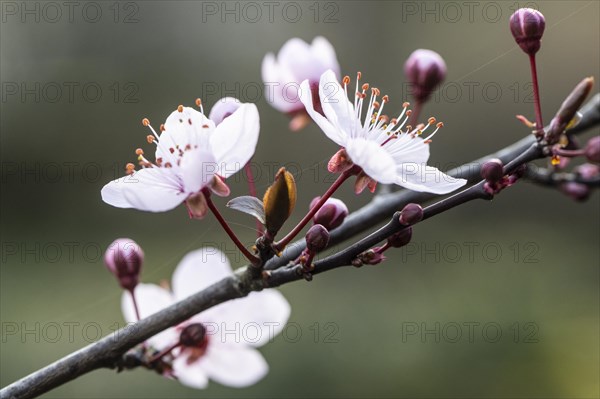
<point x="233" y="142"/>
<point x="150" y="299"/>
<point x="223" y="108"/>
<point x="179" y="132"/>
<point x="295" y="55"/>
<point x="198" y="166"/>
<point x="251" y="321"/>
<point x="331" y="131"/>
<point x="153" y="189"/>
<point x="234" y="366"/>
<point x="192" y="374"/>
<point x="281" y="87"/>
<point x="199" y="269"/>
<point x="112" y="193"/>
<point x="420" y="177"/>
<point x="336" y="106"/>
<point x="376" y="162"/>
<point x="323" y="51"/>
<point x="406" y="149"/>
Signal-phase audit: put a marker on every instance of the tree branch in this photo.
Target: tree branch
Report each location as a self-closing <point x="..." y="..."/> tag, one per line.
<point x="109" y="351"/>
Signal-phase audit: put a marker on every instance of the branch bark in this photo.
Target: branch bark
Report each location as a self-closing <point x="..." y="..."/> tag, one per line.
<point x="109" y="351"/>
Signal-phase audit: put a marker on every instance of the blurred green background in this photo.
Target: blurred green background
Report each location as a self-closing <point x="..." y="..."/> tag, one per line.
<point x="532" y="273"/>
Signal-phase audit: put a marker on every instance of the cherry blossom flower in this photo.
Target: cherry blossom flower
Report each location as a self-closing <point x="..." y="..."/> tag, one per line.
<point x="192" y="153"/>
<point x="379" y="146"/>
<point x="234" y="329"/>
<point x="297" y="61"/>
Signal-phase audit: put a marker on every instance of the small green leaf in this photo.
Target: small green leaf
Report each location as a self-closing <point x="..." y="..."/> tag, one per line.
<point x="250" y="205"/>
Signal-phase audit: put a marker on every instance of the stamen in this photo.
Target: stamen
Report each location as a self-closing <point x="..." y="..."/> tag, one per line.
<point x="139" y="151"/>
<point x="162" y="127"/>
<point x="385" y="98"/>
<point x="198" y="102"/>
<point x="431" y="121"/>
<point x="365" y="87"/>
<point x="346" y="80"/>
<point x="146" y="122"/>
<point x="180" y="108"/>
<point x="150" y="138"/>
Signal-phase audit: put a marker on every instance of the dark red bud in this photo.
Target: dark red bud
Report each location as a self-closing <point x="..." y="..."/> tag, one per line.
<point x="492" y="170"/>
<point x="425" y="70"/>
<point x="527" y="27"/>
<point x="577" y="191"/>
<point x="331" y="214"/>
<point x="592" y="150"/>
<point x="124" y="258"/>
<point x="411" y="214"/>
<point x="317" y="238"/>
<point x="193" y="335"/>
<point x="400" y="238"/>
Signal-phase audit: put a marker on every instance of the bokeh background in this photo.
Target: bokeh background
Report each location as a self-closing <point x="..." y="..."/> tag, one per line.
<point x="532" y="273"/>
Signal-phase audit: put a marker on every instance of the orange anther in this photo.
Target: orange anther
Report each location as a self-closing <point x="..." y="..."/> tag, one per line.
<point x="409" y="112"/>
<point x="358" y="75"/>
<point x="376" y="104"/>
<point x="440" y="124"/>
<point x="405" y="104"/>
<point x="365" y="86"/>
<point x="150" y="139"/>
<point x="198" y="103"/>
<point x="346" y="80"/>
<point x="139" y="151"/>
<point x="385" y="98"/>
<point x="180" y="108"/>
<point x="427" y="141"/>
<point x="162" y="127"/>
<point x="431" y="120"/>
<point x="145" y="122"/>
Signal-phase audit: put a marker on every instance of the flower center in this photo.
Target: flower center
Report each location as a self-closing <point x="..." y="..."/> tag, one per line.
<point x="377" y="123"/>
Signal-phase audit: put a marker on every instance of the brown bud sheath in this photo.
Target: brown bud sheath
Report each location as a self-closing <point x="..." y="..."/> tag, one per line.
<point x="279" y="201"/>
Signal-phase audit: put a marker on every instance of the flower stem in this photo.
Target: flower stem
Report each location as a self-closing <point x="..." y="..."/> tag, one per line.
<point x="253" y="259"/>
<point x="568" y="153"/>
<point x="164" y="352"/>
<point x="416" y="112"/>
<point x="539" y="125"/>
<point x="281" y="244"/>
<point x="252" y="191"/>
<point x="135" y="305"/>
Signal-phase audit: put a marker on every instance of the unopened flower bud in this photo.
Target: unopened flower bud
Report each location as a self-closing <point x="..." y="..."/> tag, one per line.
<point x="331" y="214"/>
<point x="592" y="150"/>
<point x="577" y="191"/>
<point x="425" y="70"/>
<point x="492" y="170"/>
<point x="400" y="238"/>
<point x="587" y="170"/>
<point x="567" y="113"/>
<point x="193" y="335"/>
<point x="527" y="27"/>
<point x="411" y="214"/>
<point x="124" y="258"/>
<point x="223" y="108"/>
<point x="317" y="238"/>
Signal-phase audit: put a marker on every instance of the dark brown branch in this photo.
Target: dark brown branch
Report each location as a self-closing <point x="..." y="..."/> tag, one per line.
<point x="109" y="351"/>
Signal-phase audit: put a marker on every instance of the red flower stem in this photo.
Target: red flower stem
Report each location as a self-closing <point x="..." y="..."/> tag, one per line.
<point x="568" y="153"/>
<point x="281" y="244"/>
<point x="252" y="191"/>
<point x="135" y="305"/>
<point x="416" y="112"/>
<point x="253" y="259"/>
<point x="539" y="125"/>
<point x="164" y="352"/>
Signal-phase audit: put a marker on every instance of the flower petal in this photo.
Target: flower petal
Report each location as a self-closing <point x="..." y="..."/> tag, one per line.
<point x="234" y="141"/>
<point x="190" y="374"/>
<point x="251" y="321"/>
<point x="331" y="131"/>
<point x="420" y="177"/>
<point x="189" y="127"/>
<point x="153" y="189"/>
<point x="223" y="108"/>
<point x="408" y="149"/>
<point x="336" y="106"/>
<point x="150" y="299"/>
<point x="198" y="166"/>
<point x="112" y="193"/>
<point x="280" y="85"/>
<point x="198" y="270"/>
<point x="323" y="51"/>
<point x="376" y="162"/>
<point x="234" y="366"/>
